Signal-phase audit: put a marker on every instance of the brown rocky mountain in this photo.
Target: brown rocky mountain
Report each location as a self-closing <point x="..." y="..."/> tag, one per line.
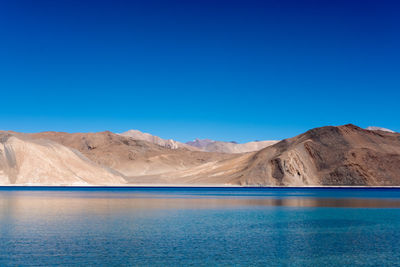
<point x="343" y="156"/>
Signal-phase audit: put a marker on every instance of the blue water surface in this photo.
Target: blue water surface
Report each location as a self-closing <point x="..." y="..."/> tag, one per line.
<point x="199" y="227"/>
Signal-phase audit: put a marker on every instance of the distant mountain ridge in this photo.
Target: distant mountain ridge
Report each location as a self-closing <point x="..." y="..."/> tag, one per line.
<point x="172" y="144"/>
<point x="206" y="145"/>
<point x="200" y="143"/>
<point x="229" y="147"/>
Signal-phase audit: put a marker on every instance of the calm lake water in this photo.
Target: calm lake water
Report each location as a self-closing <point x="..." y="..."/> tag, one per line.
<point x="199" y="227"/>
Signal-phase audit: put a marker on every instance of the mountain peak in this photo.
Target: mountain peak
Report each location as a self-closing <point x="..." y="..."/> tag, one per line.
<point x="374" y="128"/>
<point x="170" y="143"/>
<point x="209" y="145"/>
<point x="200" y="143"/>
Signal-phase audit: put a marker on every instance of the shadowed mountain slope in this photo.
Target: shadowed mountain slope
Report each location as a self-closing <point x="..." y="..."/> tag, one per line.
<point x="344" y="155"/>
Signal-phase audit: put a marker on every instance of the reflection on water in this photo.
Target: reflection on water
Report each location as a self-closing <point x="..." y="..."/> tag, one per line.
<point x="100" y="200"/>
<point x="179" y="226"/>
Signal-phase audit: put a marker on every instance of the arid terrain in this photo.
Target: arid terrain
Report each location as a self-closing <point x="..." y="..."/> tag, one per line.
<point x="208" y="145"/>
<point x="327" y="156"/>
<point x="26" y="161"/>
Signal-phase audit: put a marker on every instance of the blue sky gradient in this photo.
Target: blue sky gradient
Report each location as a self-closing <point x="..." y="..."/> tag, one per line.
<point x="226" y="70"/>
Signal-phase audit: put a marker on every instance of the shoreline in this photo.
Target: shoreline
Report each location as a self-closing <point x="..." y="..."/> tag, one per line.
<point x="211" y="186"/>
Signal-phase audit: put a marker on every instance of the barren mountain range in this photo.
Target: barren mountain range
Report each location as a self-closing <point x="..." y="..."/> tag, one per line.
<point x="206" y="145"/>
<point x="343" y="155"/>
<point x="172" y="144"/>
<point x="229" y="147"/>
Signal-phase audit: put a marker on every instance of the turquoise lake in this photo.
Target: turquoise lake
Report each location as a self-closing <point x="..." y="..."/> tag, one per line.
<point x="199" y="227"/>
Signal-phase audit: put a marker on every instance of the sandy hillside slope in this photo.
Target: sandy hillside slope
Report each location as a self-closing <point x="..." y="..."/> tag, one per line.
<point x="129" y="156"/>
<point x="24" y="161"/>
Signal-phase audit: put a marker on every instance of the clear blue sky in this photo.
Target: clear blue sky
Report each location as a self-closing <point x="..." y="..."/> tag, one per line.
<point x="226" y="70"/>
